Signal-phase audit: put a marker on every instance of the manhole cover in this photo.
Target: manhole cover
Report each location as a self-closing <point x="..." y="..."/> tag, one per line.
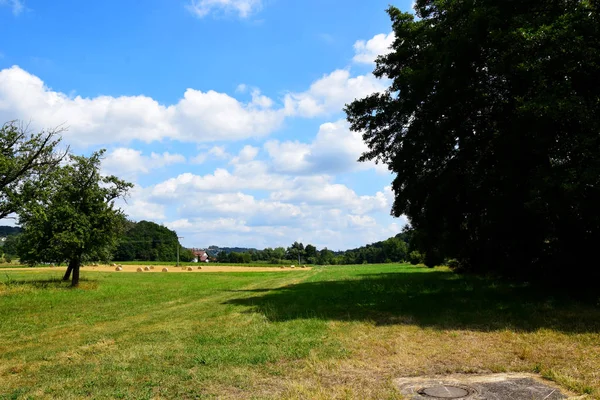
<point x="444" y="392"/>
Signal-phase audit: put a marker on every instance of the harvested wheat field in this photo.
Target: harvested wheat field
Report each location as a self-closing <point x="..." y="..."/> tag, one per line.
<point x="159" y="268"/>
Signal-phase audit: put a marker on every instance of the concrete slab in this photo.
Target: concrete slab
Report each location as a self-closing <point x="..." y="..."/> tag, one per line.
<point x="482" y="387"/>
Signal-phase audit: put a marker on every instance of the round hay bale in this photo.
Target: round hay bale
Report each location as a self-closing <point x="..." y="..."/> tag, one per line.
<point x="282" y="267"/>
<point x="113" y="265"/>
<point x="165" y="270"/>
<point x="152" y="267"/>
<point x="118" y="269"/>
<point x="139" y="269"/>
<point x="304" y="266"/>
<point x="292" y="266"/>
<point x="190" y="268"/>
<point x="199" y="267"/>
<point x="147" y="269"/>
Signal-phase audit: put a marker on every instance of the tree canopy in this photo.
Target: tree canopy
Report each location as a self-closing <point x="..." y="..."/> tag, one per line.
<point x="25" y="162"/>
<point x="491" y="125"/>
<point x="75" y="219"/>
<point x="148" y="241"/>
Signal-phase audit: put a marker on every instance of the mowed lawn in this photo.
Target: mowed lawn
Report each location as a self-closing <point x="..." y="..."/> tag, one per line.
<point x="331" y="332"/>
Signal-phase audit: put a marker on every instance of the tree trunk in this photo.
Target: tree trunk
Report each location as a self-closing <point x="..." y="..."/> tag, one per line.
<point x="75" y="281"/>
<point x="69" y="270"/>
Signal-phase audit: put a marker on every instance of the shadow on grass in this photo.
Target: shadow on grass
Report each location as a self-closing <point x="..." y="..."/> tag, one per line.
<point x="438" y="299"/>
<point x="48" y="283"/>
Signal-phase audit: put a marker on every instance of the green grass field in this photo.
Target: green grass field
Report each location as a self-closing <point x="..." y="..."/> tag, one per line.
<point x="329" y="332"/>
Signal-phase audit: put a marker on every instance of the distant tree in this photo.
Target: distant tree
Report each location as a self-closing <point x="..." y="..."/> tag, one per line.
<point x="394" y="249"/>
<point x="246" y="258"/>
<point x="186" y="255"/>
<point x="10" y="245"/>
<point x="223" y="257"/>
<point x="25" y="162"/>
<point x="279" y="253"/>
<point x="149" y="241"/>
<point x="416" y="258"/>
<point x="9" y="230"/>
<point x="310" y="252"/>
<point x="491" y="126"/>
<point x="325" y="257"/>
<point x="295" y="251"/>
<point x="75" y="219"/>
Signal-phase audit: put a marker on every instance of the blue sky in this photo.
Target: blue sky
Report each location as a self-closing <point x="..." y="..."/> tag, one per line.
<point x="226" y="114"/>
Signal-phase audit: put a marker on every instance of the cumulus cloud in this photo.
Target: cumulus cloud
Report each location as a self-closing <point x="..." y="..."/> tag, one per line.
<point x="17" y="6"/>
<point x="330" y="93"/>
<point x="128" y="163"/>
<point x="219" y="181"/>
<point x="247" y="154"/>
<point x="335" y="149"/>
<point x="243" y="8"/>
<point x="248" y="204"/>
<point x="197" y="117"/>
<point x="289" y="156"/>
<point x="367" y="51"/>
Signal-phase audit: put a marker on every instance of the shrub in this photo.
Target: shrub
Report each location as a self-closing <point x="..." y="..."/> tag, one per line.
<point x="453" y="263"/>
<point x="415" y="258"/>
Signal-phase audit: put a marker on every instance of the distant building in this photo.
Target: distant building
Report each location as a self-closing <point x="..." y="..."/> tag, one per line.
<point x="200" y="255"/>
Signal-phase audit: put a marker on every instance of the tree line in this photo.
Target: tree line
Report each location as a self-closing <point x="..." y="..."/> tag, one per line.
<point x="400" y="248"/>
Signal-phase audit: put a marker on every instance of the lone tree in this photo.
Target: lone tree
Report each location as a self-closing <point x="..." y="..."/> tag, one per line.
<point x="25" y="160"/>
<point x="295" y="250"/>
<point x="76" y="219"/>
<point x="492" y="126"/>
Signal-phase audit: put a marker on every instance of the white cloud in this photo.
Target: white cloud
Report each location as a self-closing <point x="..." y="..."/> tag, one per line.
<point x="17" y="5"/>
<point x="219" y="152"/>
<point x="243" y="8"/>
<point x="140" y="210"/>
<point x="320" y="191"/>
<point x="330" y="93"/>
<point x="335" y="149"/>
<point x="197" y="117"/>
<point x="128" y="163"/>
<point x="367" y="51"/>
<point x="216" y="152"/>
<point x="138" y="207"/>
<point x="247" y="154"/>
<point x="288" y="157"/>
<point x="250" y="177"/>
<point x="247" y="205"/>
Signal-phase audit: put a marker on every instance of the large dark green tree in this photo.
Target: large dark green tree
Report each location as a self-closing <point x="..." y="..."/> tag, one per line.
<point x="25" y="160"/>
<point x="149" y="241"/>
<point x="492" y="127"/>
<point x="75" y="219"/>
